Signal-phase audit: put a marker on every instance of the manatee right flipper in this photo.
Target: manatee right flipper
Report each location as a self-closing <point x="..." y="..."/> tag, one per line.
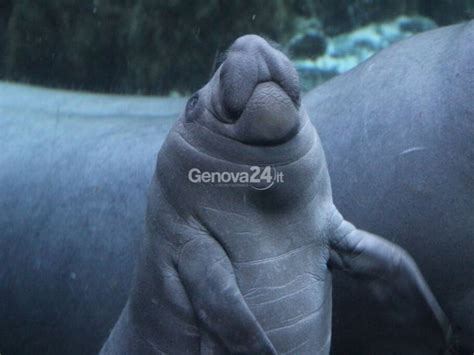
<point x="208" y="277"/>
<point x="392" y="274"/>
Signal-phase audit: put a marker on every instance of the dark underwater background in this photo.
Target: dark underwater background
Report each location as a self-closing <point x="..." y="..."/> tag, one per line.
<point x="168" y="47"/>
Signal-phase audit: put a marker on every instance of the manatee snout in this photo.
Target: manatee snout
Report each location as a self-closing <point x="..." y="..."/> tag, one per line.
<point x="258" y="92"/>
<point x="250" y="61"/>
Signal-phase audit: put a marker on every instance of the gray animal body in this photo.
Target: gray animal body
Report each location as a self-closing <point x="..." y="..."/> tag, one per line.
<point x="241" y="268"/>
<point x="70" y="307"/>
<point x="74" y="178"/>
<point x="399" y="132"/>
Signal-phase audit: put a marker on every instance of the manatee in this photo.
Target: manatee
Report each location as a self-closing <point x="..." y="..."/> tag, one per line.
<point x="74" y="174"/>
<point x="245" y="267"/>
<point x="398" y="133"/>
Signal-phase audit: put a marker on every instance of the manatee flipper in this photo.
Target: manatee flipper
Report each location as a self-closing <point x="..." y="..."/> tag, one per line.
<point x="392" y="274"/>
<point x="208" y="277"/>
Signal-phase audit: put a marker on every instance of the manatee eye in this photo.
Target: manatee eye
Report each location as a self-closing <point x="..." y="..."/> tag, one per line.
<point x="192" y="102"/>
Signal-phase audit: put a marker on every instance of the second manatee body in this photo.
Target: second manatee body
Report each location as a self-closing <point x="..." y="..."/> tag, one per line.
<point x="398" y="132"/>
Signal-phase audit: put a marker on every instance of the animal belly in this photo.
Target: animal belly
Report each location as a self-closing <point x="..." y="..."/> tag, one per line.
<point x="290" y="295"/>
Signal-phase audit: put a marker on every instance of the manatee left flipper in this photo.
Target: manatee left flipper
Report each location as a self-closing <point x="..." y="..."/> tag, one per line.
<point x="208" y="277"/>
<point x="390" y="269"/>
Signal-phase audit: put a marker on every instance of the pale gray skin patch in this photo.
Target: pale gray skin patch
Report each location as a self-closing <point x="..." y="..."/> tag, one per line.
<point x="237" y="270"/>
<point x="398" y="133"/>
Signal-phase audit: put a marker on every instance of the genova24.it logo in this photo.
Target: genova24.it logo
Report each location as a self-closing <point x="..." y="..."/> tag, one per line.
<point x="257" y="177"/>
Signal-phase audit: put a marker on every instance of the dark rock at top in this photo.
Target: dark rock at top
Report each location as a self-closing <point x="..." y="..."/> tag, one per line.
<point x="344" y="15"/>
<point x="446" y="12"/>
<point x="310" y="44"/>
<point x="139" y="46"/>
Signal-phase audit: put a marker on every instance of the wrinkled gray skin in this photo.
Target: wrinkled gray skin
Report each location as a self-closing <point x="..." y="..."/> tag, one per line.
<point x="75" y="169"/>
<point x="234" y="269"/>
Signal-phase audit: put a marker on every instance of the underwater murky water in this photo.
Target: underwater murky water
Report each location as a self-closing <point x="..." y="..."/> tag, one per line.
<point x="90" y="90"/>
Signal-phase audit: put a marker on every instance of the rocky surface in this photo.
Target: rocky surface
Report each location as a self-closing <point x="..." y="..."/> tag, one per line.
<point x="346" y="50"/>
<point x="157" y="47"/>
